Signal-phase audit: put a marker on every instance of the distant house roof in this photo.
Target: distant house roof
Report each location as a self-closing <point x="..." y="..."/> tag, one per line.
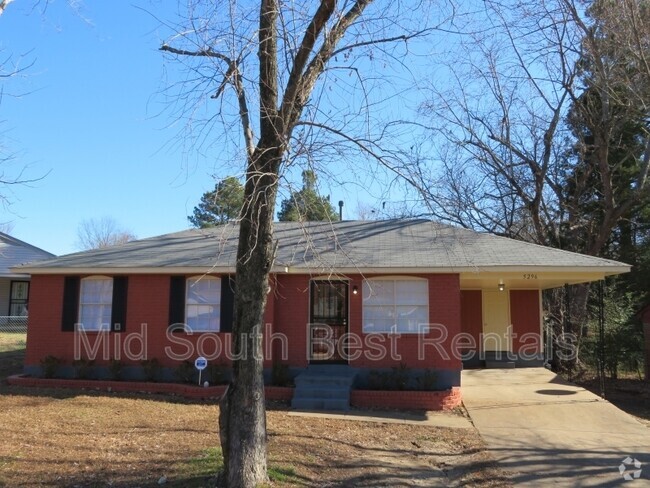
<point x="341" y="247"/>
<point x="14" y="252"/>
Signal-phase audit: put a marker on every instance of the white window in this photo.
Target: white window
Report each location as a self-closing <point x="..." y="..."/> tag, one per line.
<point x="203" y="304"/>
<point x="95" y="303"/>
<point x="396" y="305"/>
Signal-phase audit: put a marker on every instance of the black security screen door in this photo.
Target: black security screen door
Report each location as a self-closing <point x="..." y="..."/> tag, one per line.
<point x="328" y="321"/>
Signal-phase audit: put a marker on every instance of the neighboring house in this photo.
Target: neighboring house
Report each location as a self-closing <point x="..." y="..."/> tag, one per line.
<point x="14" y="286"/>
<point x="407" y="292"/>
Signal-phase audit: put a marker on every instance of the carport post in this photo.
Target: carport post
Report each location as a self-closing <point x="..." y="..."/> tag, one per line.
<point x="567" y="328"/>
<point x="601" y="336"/>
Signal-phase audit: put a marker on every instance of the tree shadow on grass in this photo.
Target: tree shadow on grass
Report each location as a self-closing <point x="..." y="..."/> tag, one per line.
<point x="11" y="362"/>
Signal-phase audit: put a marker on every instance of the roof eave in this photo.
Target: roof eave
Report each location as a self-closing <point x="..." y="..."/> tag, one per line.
<point x="605" y="270"/>
<point x="113" y="270"/>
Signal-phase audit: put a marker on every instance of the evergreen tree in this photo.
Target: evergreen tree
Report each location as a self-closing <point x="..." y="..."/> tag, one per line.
<point x="307" y="205"/>
<point x="220" y="205"/>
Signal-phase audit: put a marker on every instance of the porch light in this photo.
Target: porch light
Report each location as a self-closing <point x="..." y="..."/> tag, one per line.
<point x="355" y="290"/>
<point x="502" y="285"/>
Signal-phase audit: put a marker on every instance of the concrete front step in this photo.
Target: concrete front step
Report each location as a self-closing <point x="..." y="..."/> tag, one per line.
<point x="321" y="403"/>
<point x="305" y="380"/>
<point x="325" y="393"/>
<point x="323" y="388"/>
<point x="499" y="364"/>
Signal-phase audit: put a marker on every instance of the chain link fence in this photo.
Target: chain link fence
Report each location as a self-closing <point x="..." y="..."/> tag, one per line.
<point x="13" y="333"/>
<point x="13" y="324"/>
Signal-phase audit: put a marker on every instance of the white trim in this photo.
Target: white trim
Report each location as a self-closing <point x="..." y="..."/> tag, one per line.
<point x="605" y="270"/>
<point x="595" y="272"/>
<point x="171" y="270"/>
<point x="396" y="277"/>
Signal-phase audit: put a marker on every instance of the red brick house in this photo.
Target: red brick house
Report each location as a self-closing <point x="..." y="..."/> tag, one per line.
<point x="368" y="295"/>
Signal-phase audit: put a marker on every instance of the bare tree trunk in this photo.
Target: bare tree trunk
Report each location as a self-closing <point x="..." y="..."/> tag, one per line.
<point x="243" y="422"/>
<point x="292" y="55"/>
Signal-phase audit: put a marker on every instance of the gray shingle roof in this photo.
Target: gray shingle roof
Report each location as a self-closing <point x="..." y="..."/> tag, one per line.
<point x="348" y="245"/>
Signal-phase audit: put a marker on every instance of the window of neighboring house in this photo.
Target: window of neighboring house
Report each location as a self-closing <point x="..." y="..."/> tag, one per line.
<point x="203" y="303"/>
<point x="95" y="303"/>
<point x="18" y="298"/>
<point x="396" y="305"/>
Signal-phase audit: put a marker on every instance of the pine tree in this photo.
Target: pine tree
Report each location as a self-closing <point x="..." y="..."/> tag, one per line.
<point x="307" y="205"/>
<point x="220" y="205"/>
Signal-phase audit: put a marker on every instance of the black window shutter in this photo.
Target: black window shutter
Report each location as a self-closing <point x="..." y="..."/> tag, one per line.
<point x="177" y="300"/>
<point x="227" y="303"/>
<point x="118" y="311"/>
<point x="70" y="303"/>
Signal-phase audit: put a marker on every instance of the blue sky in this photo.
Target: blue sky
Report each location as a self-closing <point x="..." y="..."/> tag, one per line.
<point x="86" y="116"/>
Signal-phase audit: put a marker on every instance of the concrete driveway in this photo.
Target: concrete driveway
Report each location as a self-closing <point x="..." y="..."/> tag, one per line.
<point x="545" y="430"/>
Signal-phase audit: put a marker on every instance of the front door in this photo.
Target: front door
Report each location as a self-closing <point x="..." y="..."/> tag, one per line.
<point x="328" y="321"/>
<point x="496" y="321"/>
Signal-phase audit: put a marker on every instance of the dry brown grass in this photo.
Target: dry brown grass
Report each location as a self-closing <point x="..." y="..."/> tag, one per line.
<point x="10" y="341"/>
<point x="88" y="439"/>
<point x="53" y="438"/>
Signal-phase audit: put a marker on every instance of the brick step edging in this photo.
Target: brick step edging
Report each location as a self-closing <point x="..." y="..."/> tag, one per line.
<point x="424" y="400"/>
<point x="188" y="391"/>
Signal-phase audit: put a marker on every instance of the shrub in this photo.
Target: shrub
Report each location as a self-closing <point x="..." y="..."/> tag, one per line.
<point x="428" y="380"/>
<point x="115" y="369"/>
<point x="379" y="380"/>
<point x="186" y="372"/>
<point x="400" y="376"/>
<point x="280" y="375"/>
<point x="50" y="365"/>
<point x="83" y="368"/>
<point x="151" y="368"/>
<point x="217" y="374"/>
<point x="397" y="379"/>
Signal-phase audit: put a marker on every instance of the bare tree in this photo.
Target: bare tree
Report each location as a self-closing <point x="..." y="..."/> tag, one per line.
<point x="101" y="233"/>
<point x="543" y="134"/>
<point x="281" y="62"/>
<point x="506" y="130"/>
<point x="3" y="5"/>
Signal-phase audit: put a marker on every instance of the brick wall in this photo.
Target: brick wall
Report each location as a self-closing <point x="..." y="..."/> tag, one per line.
<point x="416" y="351"/>
<point x="287" y="313"/>
<point x="291" y="315"/>
<point x="471" y="315"/>
<point x="144" y="334"/>
<point x="44" y="323"/>
<point x="420" y="400"/>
